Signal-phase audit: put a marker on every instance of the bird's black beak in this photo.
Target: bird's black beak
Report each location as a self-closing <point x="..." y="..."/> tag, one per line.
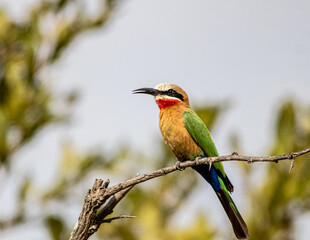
<point x="150" y="91"/>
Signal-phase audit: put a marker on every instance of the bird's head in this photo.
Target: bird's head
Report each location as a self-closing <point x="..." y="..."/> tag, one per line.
<point x="166" y="95"/>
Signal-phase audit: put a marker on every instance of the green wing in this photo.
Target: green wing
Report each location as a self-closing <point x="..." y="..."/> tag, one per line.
<point x="201" y="135"/>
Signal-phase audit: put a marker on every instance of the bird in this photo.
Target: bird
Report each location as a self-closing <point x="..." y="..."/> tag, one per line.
<point x="189" y="138"/>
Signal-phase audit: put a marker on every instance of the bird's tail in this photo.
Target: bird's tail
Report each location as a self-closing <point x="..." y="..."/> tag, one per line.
<point x="237" y="222"/>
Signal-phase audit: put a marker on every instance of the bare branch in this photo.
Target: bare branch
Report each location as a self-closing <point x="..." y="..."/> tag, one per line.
<point x="90" y="221"/>
<point x="108" y="208"/>
<point x="93" y="200"/>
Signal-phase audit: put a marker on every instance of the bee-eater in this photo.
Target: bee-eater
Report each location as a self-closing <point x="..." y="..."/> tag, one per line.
<point x="188" y="138"/>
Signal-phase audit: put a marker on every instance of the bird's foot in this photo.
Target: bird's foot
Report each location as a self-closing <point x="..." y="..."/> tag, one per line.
<point x="196" y="161"/>
<point x="235" y="154"/>
<point x="177" y="166"/>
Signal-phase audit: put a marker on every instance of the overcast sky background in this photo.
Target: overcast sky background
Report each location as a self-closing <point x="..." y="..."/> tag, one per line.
<point x="251" y="54"/>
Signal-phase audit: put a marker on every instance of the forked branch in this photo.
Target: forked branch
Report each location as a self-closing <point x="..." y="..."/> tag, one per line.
<point x="91" y="217"/>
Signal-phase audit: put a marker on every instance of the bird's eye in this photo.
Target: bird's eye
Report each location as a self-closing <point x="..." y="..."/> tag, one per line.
<point x="170" y="91"/>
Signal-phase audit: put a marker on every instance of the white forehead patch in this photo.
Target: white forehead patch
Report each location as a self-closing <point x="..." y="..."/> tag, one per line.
<point x="163" y="86"/>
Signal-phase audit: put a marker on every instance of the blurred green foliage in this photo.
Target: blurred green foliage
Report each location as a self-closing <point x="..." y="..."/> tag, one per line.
<point x="282" y="196"/>
<point x="55" y="226"/>
<point x="28" y="48"/>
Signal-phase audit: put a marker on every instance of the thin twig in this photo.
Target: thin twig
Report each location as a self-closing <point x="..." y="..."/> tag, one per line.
<point x="108" y="220"/>
<point x="292" y="165"/>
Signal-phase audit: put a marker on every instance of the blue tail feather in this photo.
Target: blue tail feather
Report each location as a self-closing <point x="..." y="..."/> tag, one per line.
<point x="210" y="175"/>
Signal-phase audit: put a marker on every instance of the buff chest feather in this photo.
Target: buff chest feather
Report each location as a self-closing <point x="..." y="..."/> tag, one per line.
<point x="171" y="124"/>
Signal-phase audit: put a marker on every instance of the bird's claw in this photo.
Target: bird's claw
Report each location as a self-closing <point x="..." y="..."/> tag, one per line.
<point x="196" y="161"/>
<point x="210" y="165"/>
<point x="177" y="166"/>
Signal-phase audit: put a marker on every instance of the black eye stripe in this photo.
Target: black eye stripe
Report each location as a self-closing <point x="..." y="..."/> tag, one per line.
<point x="173" y="93"/>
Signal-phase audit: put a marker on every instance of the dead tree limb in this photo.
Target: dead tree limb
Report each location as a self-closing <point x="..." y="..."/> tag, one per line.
<point x="91" y="217"/>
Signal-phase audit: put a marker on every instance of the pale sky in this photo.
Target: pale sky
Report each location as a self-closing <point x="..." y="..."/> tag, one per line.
<point x="250" y="54"/>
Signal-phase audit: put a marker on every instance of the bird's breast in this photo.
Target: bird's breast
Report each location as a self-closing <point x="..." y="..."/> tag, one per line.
<point x="176" y="136"/>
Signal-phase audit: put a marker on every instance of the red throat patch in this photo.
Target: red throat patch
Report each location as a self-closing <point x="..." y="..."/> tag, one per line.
<point x="166" y="102"/>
